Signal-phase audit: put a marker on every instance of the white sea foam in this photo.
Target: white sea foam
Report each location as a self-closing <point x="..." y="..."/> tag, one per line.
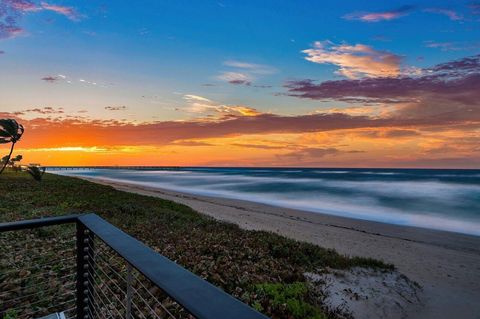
<point x="423" y="203"/>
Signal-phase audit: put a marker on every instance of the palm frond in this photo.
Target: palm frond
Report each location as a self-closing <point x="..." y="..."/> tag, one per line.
<point x="10" y="131"/>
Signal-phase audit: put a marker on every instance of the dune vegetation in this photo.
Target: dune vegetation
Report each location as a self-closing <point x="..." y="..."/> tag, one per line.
<point x="262" y="269"/>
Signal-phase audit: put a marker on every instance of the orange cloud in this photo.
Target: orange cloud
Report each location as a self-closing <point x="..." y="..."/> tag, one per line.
<point x="355" y="61"/>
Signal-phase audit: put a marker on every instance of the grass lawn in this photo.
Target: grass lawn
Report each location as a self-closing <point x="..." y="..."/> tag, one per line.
<point x="261" y="268"/>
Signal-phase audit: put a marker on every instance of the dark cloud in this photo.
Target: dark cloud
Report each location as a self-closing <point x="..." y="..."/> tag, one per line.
<point x="474" y="8"/>
<point x="258" y="146"/>
<point x="192" y="143"/>
<point x="240" y="82"/>
<point x="263" y="86"/>
<point x="45" y="110"/>
<point x="42" y="110"/>
<point x="2" y="52"/>
<point x="308" y="153"/>
<point x="50" y="79"/>
<point x="394" y="133"/>
<point x="116" y="108"/>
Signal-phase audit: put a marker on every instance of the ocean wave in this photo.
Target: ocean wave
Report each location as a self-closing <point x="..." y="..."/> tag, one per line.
<point x="423" y="203"/>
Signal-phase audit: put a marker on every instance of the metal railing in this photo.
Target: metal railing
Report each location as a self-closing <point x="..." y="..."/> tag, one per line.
<point x="80" y="266"/>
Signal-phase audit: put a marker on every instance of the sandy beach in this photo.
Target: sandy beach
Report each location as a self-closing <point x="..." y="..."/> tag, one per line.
<point x="446" y="265"/>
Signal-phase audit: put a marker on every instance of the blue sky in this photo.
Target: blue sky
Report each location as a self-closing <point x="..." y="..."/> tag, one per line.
<point x="160" y="48"/>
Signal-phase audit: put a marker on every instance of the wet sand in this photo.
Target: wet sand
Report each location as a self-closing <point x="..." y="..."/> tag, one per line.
<point x="446" y="265"/>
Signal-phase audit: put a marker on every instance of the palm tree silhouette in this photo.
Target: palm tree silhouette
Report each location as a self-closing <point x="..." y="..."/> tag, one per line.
<point x="36" y="172"/>
<point x="15" y="160"/>
<point x="10" y="132"/>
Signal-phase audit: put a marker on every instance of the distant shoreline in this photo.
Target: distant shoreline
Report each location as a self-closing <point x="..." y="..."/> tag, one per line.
<point x="446" y="264"/>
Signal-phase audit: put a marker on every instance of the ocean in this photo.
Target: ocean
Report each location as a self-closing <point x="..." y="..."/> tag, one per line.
<point x="446" y="199"/>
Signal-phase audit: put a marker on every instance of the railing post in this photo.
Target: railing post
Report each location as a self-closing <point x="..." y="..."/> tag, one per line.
<point x="84" y="278"/>
<point x="129" y="291"/>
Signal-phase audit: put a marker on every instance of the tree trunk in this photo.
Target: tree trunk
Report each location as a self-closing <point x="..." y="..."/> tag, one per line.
<point x="8" y="159"/>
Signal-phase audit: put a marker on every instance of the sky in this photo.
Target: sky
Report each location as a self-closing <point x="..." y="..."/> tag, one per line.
<point x="243" y="83"/>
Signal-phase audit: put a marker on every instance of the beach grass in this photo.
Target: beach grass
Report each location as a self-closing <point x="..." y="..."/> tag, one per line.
<point x="263" y="269"/>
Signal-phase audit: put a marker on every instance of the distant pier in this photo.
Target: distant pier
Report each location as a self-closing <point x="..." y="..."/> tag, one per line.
<point x="65" y="168"/>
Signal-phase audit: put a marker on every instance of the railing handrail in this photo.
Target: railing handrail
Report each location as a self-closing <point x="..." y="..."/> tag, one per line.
<point x="196" y="295"/>
<point x="39" y="222"/>
<point x="199" y="297"/>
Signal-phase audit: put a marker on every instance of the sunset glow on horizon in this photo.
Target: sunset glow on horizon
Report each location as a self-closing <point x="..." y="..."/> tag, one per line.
<point x="228" y="83"/>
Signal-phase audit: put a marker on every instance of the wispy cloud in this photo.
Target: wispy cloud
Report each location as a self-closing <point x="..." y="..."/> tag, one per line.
<point x="69" y="12"/>
<point x="199" y="104"/>
<point x="202" y="105"/>
<point x="474" y="8"/>
<point x="244" y="73"/>
<point x="453" y="15"/>
<point x="251" y="67"/>
<point x="452" y="46"/>
<point x="355" y="61"/>
<point x="237" y="78"/>
<point x="379" y="16"/>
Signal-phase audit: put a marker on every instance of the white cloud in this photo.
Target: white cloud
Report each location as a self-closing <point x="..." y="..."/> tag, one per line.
<point x="200" y="104"/>
<point x="191" y="97"/>
<point x="251" y="67"/>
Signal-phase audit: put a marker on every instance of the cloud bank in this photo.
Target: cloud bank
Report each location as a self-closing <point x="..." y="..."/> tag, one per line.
<point x="446" y="92"/>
